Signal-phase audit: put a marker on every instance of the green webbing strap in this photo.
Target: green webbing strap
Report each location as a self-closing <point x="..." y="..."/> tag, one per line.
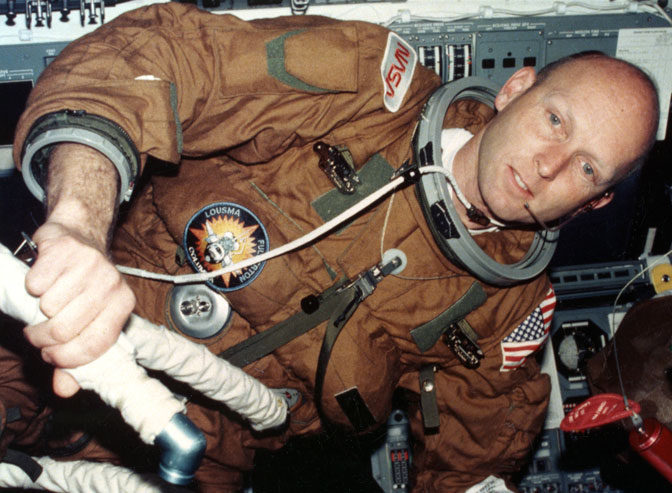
<point x="428" y="404"/>
<point x="428" y="334"/>
<point x="337" y="304"/>
<point x="266" y="342"/>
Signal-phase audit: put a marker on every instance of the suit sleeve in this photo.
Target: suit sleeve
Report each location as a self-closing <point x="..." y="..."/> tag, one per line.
<point x="180" y="81"/>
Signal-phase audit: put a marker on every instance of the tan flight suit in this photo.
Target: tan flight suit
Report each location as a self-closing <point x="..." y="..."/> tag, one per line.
<point x="239" y="105"/>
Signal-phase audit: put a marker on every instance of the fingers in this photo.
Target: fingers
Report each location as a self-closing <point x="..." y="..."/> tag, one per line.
<point x="95" y="295"/>
<point x="84" y="296"/>
<point x="64" y="384"/>
<point x="83" y="330"/>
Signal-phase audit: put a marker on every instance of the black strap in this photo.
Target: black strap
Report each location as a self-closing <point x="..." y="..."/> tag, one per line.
<point x="29" y="465"/>
<point x="355" y="408"/>
<point x="337" y="305"/>
<point x="428" y="403"/>
<point x="349" y="302"/>
<point x="13" y="414"/>
<point x="266" y="342"/>
<point x="316" y="309"/>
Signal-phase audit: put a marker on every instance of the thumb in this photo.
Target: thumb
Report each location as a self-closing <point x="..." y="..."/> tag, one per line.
<point x="65" y="384"/>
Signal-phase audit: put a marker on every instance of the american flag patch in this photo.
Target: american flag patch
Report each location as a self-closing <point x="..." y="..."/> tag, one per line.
<point x="529" y="336"/>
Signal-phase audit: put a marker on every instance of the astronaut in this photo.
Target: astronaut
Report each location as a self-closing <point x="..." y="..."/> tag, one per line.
<point x="220" y="248"/>
<point x="240" y="107"/>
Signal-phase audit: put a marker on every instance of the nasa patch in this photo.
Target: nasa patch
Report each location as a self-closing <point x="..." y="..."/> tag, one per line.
<point x="397" y="71"/>
<point x="222" y="234"/>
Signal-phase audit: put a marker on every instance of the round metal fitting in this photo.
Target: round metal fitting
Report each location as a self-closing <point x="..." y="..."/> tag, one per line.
<point x="427" y="385"/>
<point x="198" y="311"/>
<point x="394" y="252"/>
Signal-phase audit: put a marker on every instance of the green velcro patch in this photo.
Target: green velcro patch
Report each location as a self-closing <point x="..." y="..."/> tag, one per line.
<point x="275" y="56"/>
<point x="373" y="175"/>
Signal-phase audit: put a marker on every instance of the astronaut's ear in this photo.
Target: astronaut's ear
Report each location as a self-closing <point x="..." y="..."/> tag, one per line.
<point x="517" y="84"/>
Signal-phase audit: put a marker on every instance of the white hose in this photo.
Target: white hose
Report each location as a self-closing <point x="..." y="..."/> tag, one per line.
<point x="114" y="376"/>
<point x="159" y="349"/>
<point x="79" y="477"/>
<point x="144" y="402"/>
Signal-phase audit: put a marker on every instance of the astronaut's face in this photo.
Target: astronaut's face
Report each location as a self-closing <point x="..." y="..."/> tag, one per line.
<point x="562" y="143"/>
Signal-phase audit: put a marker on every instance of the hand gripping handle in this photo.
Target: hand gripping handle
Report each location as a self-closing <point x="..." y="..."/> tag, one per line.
<point x="145" y="404"/>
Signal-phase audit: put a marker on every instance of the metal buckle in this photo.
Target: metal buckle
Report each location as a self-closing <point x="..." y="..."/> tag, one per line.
<point x="337" y="163"/>
<point x="461" y="338"/>
<point x="366" y="281"/>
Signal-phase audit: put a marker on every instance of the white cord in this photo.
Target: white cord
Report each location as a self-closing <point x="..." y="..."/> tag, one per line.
<point x="627" y="285"/>
<point x="456" y="189"/>
<point x="613" y="325"/>
<point x="301" y="241"/>
<point x="382" y="245"/>
<point x="660" y="10"/>
<point x="286" y="248"/>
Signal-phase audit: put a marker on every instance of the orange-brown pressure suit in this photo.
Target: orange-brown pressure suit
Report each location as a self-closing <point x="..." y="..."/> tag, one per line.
<point x="231" y="111"/>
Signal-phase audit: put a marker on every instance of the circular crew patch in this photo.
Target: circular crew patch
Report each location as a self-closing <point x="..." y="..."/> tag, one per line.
<point x="222" y="234"/>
